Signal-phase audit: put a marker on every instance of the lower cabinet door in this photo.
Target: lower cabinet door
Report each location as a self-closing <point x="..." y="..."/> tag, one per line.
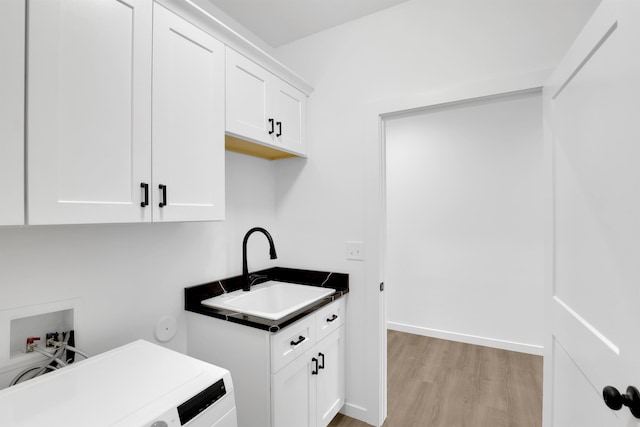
<point x="331" y="383"/>
<point x="293" y="394"/>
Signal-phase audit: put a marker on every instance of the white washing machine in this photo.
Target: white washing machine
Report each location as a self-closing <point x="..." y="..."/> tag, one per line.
<point x="136" y="385"/>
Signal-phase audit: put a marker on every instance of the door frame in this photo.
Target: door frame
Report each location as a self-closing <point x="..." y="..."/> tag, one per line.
<point x="374" y="149"/>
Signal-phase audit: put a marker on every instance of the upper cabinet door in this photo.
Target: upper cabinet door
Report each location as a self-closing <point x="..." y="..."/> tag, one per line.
<point x="89" y="99"/>
<point x="12" y="48"/>
<point x="290" y="110"/>
<point x="248" y="106"/>
<point x="262" y="108"/>
<point x="188" y="121"/>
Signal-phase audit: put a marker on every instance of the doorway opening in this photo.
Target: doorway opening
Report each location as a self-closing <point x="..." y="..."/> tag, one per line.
<point x="462" y="198"/>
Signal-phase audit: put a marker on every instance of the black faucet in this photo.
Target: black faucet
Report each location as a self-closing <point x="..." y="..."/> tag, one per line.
<point x="245" y="270"/>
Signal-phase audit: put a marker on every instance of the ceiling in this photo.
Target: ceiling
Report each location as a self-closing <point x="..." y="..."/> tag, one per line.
<point x="278" y="22"/>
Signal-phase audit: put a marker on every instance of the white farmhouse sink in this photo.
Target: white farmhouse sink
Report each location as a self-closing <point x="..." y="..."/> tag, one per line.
<point x="271" y="300"/>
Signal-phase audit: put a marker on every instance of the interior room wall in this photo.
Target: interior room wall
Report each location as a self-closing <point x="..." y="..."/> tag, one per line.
<point x="128" y="276"/>
<point x="465" y="222"/>
<point x="418" y="47"/>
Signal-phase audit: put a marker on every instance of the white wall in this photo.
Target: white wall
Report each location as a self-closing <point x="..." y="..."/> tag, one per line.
<point x="127" y="276"/>
<point x="416" y="49"/>
<point x="465" y="222"/>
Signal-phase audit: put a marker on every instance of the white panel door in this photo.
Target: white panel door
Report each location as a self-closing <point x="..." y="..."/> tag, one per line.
<point x="248" y="106"/>
<point x="188" y="121"/>
<point x="12" y="48"/>
<point x="289" y="110"/>
<point x="592" y="109"/>
<point x="89" y="110"/>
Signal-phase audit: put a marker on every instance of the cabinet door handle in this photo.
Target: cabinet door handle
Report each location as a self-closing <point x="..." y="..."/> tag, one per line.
<point x="272" y="128"/>
<point x="300" y="339"/>
<point x="279" y="124"/>
<point x="315" y="370"/>
<point x="332" y="318"/>
<point x="145" y="199"/>
<point x="163" y="190"/>
<point x="321" y="366"/>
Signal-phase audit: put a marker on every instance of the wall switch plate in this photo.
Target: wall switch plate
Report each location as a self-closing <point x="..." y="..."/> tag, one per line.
<point x="355" y="251"/>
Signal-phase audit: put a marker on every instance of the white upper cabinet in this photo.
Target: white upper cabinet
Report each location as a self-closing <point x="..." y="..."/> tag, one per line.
<point x="188" y="121"/>
<point x="96" y="153"/>
<point x="262" y="108"/>
<point x="126" y="111"/>
<point x="247" y="99"/>
<point x="12" y="48"/>
<point x="289" y="109"/>
<point x="89" y="126"/>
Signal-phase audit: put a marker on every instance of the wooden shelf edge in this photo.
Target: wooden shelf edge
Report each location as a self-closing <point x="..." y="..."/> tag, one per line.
<point x="249" y="148"/>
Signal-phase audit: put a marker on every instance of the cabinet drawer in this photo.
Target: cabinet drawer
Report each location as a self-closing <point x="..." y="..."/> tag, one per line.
<point x="329" y="318"/>
<point x="291" y="342"/>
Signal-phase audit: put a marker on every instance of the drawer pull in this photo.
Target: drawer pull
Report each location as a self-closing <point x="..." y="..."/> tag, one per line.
<point x="332" y="318"/>
<point x="321" y="366"/>
<point x="314" y="371"/>
<point x="300" y="339"/>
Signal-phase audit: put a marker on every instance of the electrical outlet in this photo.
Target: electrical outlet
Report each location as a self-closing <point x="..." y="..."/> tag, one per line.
<point x="355" y="251"/>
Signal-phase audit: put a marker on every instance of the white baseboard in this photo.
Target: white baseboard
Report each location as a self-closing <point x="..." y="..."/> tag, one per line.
<point x="354" y="411"/>
<point x="469" y="339"/>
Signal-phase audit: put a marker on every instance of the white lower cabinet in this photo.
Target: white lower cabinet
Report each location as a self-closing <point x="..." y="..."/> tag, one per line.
<point x="294" y="393"/>
<point x="310" y="390"/>
<point x="330" y="382"/>
<point x="292" y="378"/>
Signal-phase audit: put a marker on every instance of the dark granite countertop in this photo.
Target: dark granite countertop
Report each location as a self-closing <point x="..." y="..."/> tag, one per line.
<point x="194" y="295"/>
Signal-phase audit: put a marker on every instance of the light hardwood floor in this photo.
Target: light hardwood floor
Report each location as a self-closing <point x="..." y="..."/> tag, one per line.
<point x="439" y="383"/>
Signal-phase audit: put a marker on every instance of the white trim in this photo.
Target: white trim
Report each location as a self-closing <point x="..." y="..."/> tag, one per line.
<point x="588" y="326"/>
<point x="537" y="350"/>
<point x="354" y="411"/>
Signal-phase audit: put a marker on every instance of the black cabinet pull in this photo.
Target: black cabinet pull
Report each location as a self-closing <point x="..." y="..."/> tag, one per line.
<point x="279" y="128"/>
<point x="614" y="400"/>
<point x="272" y="128"/>
<point x="163" y="190"/>
<point x="332" y="318"/>
<point x="314" y="371"/>
<point x="300" y="339"/>
<point x="321" y="366"/>
<point x="145" y="200"/>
